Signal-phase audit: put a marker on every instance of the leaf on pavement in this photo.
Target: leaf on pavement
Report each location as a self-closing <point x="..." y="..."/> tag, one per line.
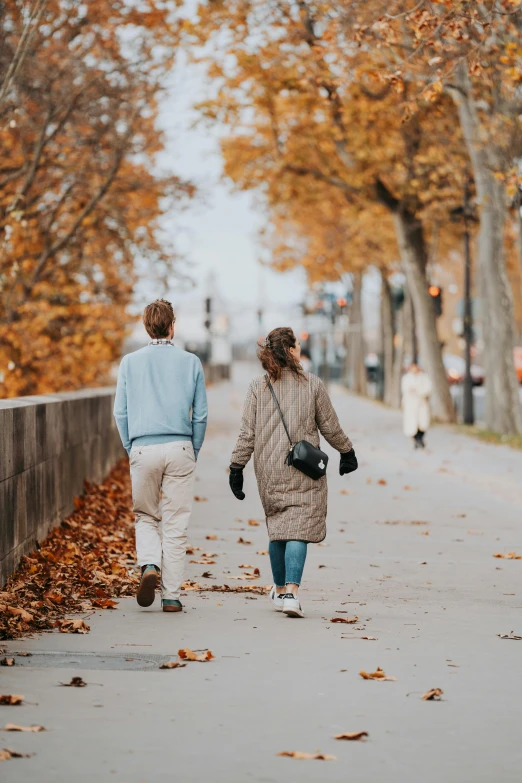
<point x="104" y="603"/>
<point x="355" y="735"/>
<point x="76" y="682"/>
<point x="199" y="499"/>
<point x="253" y="523"/>
<point x="247" y="575"/>
<point x="241" y="540"/>
<point x="7" y="662"/>
<point x="432" y="695"/>
<point x="382" y="482"/>
<point x="508" y="556"/>
<point x="245" y="565"/>
<point x="299" y="754"/>
<point x="11" y="699"/>
<point x="17" y="611"/>
<point x="206" y="561"/>
<point x="14" y="727"/>
<point x="211" y="538"/>
<point x="207" y="575"/>
<point x="370" y="638"/>
<point x="262" y="552"/>
<point x="347" y="620"/>
<point x="509" y="636"/>
<point x="189" y="655"/>
<point x="172" y="665"/>
<point x="7" y="753"/>
<point x="378" y="674"/>
<point x="345" y="492"/>
<point x="72" y="626"/>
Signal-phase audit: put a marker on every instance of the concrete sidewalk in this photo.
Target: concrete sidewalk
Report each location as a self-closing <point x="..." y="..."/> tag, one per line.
<point x="435" y="603"/>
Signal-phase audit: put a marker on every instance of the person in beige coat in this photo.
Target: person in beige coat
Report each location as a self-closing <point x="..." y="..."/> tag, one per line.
<point x="416" y="392"/>
<point x="295" y="504"/>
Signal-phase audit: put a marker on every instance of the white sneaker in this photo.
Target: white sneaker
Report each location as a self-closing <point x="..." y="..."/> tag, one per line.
<point x="277" y="599"/>
<point x="292" y="606"/>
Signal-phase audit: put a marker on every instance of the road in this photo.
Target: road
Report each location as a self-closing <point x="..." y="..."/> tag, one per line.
<point x="409" y="552"/>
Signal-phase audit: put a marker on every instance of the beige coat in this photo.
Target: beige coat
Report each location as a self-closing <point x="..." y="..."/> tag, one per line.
<point x="416" y="391"/>
<point x="294" y="504"/>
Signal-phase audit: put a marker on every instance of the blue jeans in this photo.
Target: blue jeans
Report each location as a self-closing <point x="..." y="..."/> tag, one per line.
<point x="287" y="559"/>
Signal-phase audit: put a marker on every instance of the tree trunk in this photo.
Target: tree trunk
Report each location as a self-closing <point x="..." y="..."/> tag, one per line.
<point x="388" y="334"/>
<point x="502" y="393"/>
<point x="398" y="361"/>
<point x="410" y="238"/>
<point x="357" y="343"/>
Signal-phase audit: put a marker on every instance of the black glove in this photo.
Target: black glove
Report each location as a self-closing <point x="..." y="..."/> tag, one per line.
<point x="348" y="463"/>
<point x="235" y="480"/>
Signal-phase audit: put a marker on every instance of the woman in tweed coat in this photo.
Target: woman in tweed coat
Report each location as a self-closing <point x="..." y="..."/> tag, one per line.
<point x="294" y="504"/>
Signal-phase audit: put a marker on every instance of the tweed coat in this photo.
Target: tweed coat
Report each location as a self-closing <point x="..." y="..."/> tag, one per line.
<point x="295" y="505"/>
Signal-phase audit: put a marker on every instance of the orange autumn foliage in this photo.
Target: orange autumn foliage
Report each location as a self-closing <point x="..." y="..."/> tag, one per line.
<point x="81" y="202"/>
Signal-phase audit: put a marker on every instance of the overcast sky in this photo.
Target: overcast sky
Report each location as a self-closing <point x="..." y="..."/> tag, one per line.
<point x="219" y="231"/>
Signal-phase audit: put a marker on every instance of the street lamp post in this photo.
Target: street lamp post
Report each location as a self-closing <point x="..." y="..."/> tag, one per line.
<point x="467" y="407"/>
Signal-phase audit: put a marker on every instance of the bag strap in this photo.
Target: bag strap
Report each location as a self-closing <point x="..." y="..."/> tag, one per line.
<point x="279" y="409"/>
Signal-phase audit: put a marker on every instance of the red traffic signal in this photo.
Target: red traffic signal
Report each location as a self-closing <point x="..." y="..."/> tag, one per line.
<point x="436" y="295"/>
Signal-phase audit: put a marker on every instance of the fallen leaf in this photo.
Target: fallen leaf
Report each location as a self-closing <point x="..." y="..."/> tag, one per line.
<point x="7" y="662"/>
<point x="172" y="665"/>
<point x="378" y="674"/>
<point x="253" y="523"/>
<point x="423" y="533"/>
<point x="199" y="499"/>
<point x="433" y="695"/>
<point x="72" y="626"/>
<point x="356" y="735"/>
<point x="348" y="620"/>
<point x="103" y="603"/>
<point x="14" y="727"/>
<point x="345" y="492"/>
<point x="6" y="753"/>
<point x="241" y="540"/>
<point x="190" y="655"/>
<point x="203" y="562"/>
<point x="17" y="611"/>
<point x="508" y="556"/>
<point x="245" y="566"/>
<point x="262" y="552"/>
<point x="211" y="538"/>
<point x="24" y="654"/>
<point x="76" y="682"/>
<point x="509" y="636"/>
<point x="11" y="699"/>
<point x="382" y="482"/>
<point x="298" y="754"/>
<point x="370" y="638"/>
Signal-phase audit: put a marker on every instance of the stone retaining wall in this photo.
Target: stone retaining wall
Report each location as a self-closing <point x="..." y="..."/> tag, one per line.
<point x="49" y="446"/>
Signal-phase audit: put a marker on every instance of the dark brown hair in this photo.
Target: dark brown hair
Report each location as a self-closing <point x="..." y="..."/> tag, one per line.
<point x="158" y="317"/>
<point x="274" y="353"/>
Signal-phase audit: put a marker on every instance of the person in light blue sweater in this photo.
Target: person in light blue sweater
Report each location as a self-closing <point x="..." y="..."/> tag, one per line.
<point x="161" y="410"/>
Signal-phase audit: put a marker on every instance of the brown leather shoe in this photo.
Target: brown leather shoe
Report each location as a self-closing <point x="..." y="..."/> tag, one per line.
<point x="147" y="590"/>
<point x="171" y="605"/>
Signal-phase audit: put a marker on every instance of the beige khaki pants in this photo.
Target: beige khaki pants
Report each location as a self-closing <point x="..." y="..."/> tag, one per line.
<point x="162" y="476"/>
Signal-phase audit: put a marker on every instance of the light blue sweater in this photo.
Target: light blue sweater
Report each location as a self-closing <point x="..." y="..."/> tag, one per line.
<point x="158" y="387"/>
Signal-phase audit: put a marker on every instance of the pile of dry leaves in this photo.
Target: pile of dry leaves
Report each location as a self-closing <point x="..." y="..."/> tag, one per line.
<point x="82" y="565"/>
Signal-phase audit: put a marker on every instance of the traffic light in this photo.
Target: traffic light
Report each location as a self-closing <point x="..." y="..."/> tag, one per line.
<point x="208" y="311"/>
<point x="341" y="303"/>
<point x="436" y="296"/>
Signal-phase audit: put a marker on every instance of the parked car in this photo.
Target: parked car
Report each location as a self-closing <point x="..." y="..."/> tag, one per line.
<point x="456" y="369"/>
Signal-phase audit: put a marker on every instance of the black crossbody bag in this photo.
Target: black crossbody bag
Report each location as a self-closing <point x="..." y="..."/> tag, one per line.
<point x="303" y="456"/>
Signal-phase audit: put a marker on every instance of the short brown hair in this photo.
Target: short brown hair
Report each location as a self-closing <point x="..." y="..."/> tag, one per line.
<point x="158" y="317"/>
